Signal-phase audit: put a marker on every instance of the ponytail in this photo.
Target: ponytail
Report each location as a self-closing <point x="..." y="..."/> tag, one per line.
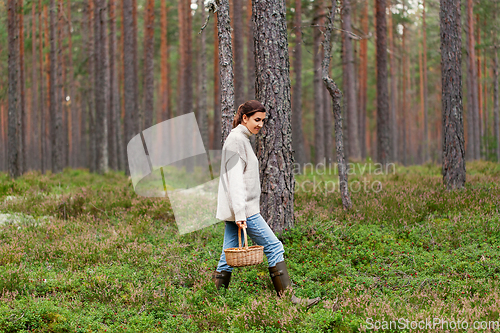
<point x="238" y="117"/>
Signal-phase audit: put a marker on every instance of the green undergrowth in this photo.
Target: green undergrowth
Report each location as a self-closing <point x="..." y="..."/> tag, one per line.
<point x="83" y="253"/>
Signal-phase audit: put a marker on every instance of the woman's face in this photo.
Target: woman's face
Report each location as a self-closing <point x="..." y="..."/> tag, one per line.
<point x="255" y="122"/>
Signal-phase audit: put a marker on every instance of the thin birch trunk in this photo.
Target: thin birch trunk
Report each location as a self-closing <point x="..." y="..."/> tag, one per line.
<point x="336" y="95"/>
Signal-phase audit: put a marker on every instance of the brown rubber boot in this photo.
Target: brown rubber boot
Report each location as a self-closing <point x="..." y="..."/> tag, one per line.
<point x="281" y="280"/>
<point x="221" y="279"/>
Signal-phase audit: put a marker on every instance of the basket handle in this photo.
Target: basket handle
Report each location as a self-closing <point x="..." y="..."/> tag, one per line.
<point x="239" y="237"/>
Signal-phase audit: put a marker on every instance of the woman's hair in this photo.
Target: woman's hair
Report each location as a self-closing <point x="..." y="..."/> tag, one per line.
<point x="248" y="108"/>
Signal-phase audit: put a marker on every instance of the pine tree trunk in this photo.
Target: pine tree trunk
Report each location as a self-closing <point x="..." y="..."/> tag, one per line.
<point x="91" y="133"/>
<point x="185" y="82"/>
<point x="4" y="161"/>
<point x="469" y="151"/>
<point x="239" y="55"/>
<point x="120" y="116"/>
<point x="394" y="92"/>
<point x="164" y="96"/>
<point x="420" y="142"/>
<point x="131" y="119"/>
<point x="217" y="121"/>
<point x="404" y="108"/>
<point x="43" y="97"/>
<point x="274" y="142"/>
<point x="226" y="68"/>
<point x="34" y="95"/>
<point x="336" y="95"/>
<point x="48" y="145"/>
<point x="201" y="111"/>
<point x="451" y="71"/>
<point x="496" y="104"/>
<point x="383" y="121"/>
<point x="363" y="82"/>
<point x="102" y="85"/>
<point x="61" y="80"/>
<point x="148" y="72"/>
<point x="73" y="123"/>
<point x="479" y="90"/>
<point x="426" y="103"/>
<point x="140" y="115"/>
<point x="319" y="136"/>
<point x="55" y="90"/>
<point x="13" y="65"/>
<point x="297" y="133"/>
<point x="23" y="135"/>
<point x="350" y="86"/>
<point x="472" y="73"/>
<point x="250" y="54"/>
<point x="114" y="133"/>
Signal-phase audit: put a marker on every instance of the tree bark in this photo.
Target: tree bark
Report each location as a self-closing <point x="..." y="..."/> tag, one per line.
<point x="226" y="68"/>
<point x="319" y="136"/>
<point x="217" y="121"/>
<point x="394" y="91"/>
<point x="202" y="112"/>
<point x="62" y="86"/>
<point x="5" y="144"/>
<point x="363" y="82"/>
<point x="239" y="55"/>
<point x="274" y="142"/>
<point x="102" y="85"/>
<point x="138" y="106"/>
<point x="131" y="119"/>
<point x="426" y="102"/>
<point x="479" y="90"/>
<point x="451" y="78"/>
<point x="404" y="108"/>
<point x="92" y="149"/>
<point x="186" y="81"/>
<point x="73" y="123"/>
<point x="55" y="90"/>
<point x="383" y="120"/>
<point x="148" y="68"/>
<point x="34" y="95"/>
<point x="41" y="99"/>
<point x="336" y="95"/>
<point x="350" y="86"/>
<point x="327" y="125"/>
<point x="164" y="96"/>
<point x="250" y="54"/>
<point x="13" y="65"/>
<point x="472" y="73"/>
<point x="496" y="104"/>
<point x="23" y="135"/>
<point x="114" y="132"/>
<point x="297" y="133"/>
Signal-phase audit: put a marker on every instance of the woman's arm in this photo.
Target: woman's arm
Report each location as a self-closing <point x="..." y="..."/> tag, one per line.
<point x="236" y="186"/>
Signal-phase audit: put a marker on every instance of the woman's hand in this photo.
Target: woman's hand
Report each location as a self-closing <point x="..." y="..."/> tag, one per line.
<point x="241" y="224"/>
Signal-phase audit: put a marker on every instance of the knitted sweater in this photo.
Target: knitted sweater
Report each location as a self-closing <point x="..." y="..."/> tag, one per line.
<point x="239" y="184"/>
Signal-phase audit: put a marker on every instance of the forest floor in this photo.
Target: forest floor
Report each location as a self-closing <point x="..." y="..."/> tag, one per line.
<point x="83" y="253"/>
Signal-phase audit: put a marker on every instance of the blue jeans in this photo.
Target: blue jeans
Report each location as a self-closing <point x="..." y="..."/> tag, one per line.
<point x="260" y="233"/>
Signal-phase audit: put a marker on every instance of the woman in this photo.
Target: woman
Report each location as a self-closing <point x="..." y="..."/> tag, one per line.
<point x="239" y="200"/>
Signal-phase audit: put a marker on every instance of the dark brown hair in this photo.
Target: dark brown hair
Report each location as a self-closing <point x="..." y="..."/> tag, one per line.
<point x="248" y="108"/>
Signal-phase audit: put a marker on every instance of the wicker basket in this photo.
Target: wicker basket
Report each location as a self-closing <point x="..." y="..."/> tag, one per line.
<point x="244" y="256"/>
